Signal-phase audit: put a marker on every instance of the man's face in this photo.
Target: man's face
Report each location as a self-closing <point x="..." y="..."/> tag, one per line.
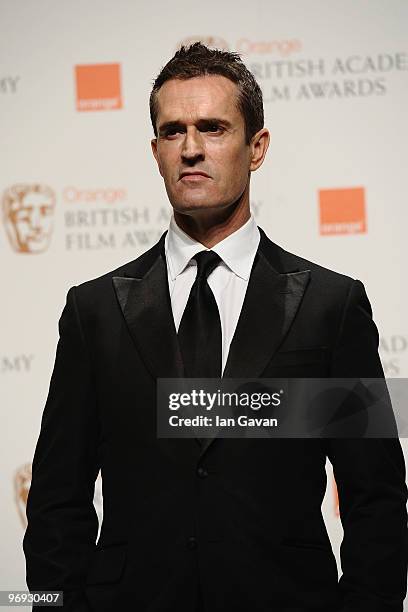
<point x="200" y="149"/>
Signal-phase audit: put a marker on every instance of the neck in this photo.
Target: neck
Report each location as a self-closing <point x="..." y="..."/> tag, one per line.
<point x="211" y="226"/>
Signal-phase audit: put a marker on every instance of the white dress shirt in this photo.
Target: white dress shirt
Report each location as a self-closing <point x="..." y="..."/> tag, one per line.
<point x="228" y="282"/>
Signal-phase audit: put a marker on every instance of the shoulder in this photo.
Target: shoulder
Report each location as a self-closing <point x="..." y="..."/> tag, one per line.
<point x="135" y="268"/>
<point x="330" y="286"/>
<point x="285" y="262"/>
<point x="319" y="275"/>
<point x="327" y="288"/>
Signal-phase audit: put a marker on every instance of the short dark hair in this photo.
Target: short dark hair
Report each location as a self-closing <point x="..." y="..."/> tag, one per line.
<point x="198" y="60"/>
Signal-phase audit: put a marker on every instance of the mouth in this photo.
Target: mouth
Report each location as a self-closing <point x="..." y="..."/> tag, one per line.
<point x="193" y="176"/>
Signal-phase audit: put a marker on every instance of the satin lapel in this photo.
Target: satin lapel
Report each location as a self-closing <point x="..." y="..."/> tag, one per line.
<point x="146" y="306"/>
<point x="144" y="299"/>
<point x="270" y="305"/>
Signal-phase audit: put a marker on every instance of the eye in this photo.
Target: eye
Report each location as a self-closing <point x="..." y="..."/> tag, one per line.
<point x="173" y="131"/>
<point x="24" y="214"/>
<point x="213" y="128"/>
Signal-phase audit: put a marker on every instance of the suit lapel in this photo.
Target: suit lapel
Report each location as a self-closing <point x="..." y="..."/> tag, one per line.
<point x="271" y="302"/>
<point x="270" y="306"/>
<point x="144" y="298"/>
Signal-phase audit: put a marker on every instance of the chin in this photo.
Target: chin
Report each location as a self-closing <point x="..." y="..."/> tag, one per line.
<point x="195" y="205"/>
<point x="190" y="207"/>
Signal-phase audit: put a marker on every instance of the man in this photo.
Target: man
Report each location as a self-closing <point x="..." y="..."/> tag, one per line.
<point x="210" y="525"/>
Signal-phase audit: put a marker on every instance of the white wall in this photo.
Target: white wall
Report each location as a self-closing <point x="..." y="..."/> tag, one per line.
<point x="334" y="76"/>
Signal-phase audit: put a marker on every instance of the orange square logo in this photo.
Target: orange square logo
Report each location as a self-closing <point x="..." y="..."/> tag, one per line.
<point x="342" y="211"/>
<point x="98" y="87"/>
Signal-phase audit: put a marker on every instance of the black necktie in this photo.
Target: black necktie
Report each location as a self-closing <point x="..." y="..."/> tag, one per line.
<point x="200" y="327"/>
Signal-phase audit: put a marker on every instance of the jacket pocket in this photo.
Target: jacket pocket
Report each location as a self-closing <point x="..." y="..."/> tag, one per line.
<point x="301" y="356"/>
<point x="107" y="565"/>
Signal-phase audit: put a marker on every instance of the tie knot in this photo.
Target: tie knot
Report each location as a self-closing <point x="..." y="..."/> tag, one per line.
<point x="206" y="262"/>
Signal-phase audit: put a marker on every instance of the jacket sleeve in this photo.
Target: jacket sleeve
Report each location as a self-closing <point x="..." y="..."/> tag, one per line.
<point x="62" y="521"/>
<point x="370" y="477"/>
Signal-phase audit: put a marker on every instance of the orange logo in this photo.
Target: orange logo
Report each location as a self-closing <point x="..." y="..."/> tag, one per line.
<point x="28" y="212"/>
<point x="282" y="47"/>
<point x="214" y="42"/>
<point x="342" y="211"/>
<point x="98" y="87"/>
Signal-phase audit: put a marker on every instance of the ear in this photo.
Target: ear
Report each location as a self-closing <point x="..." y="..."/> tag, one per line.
<point x="259" y="145"/>
<point x="153" y="143"/>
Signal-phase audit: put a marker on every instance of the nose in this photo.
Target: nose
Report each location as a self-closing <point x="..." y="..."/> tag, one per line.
<point x="35" y="218"/>
<point x="193" y="146"/>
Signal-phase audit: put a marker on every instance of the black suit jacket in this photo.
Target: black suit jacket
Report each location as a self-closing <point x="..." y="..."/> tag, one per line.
<point x="247" y="529"/>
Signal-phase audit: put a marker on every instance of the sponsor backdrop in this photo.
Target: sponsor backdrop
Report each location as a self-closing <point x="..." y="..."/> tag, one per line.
<point x="80" y="193"/>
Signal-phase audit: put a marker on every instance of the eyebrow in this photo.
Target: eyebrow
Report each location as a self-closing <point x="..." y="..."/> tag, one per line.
<point x="201" y="123"/>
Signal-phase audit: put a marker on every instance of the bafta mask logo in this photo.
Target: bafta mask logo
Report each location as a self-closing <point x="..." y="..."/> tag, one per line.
<point x="22" y="481"/>
<point x="28" y="214"/>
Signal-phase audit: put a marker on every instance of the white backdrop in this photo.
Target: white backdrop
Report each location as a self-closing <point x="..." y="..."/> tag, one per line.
<point x="80" y="193"/>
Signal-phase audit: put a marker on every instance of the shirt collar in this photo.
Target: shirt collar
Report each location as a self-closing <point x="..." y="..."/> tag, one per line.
<point x="236" y="250"/>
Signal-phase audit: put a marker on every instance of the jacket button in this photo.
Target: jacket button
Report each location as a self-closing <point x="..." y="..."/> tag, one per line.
<point x="192" y="543"/>
<point x="202" y="472"/>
